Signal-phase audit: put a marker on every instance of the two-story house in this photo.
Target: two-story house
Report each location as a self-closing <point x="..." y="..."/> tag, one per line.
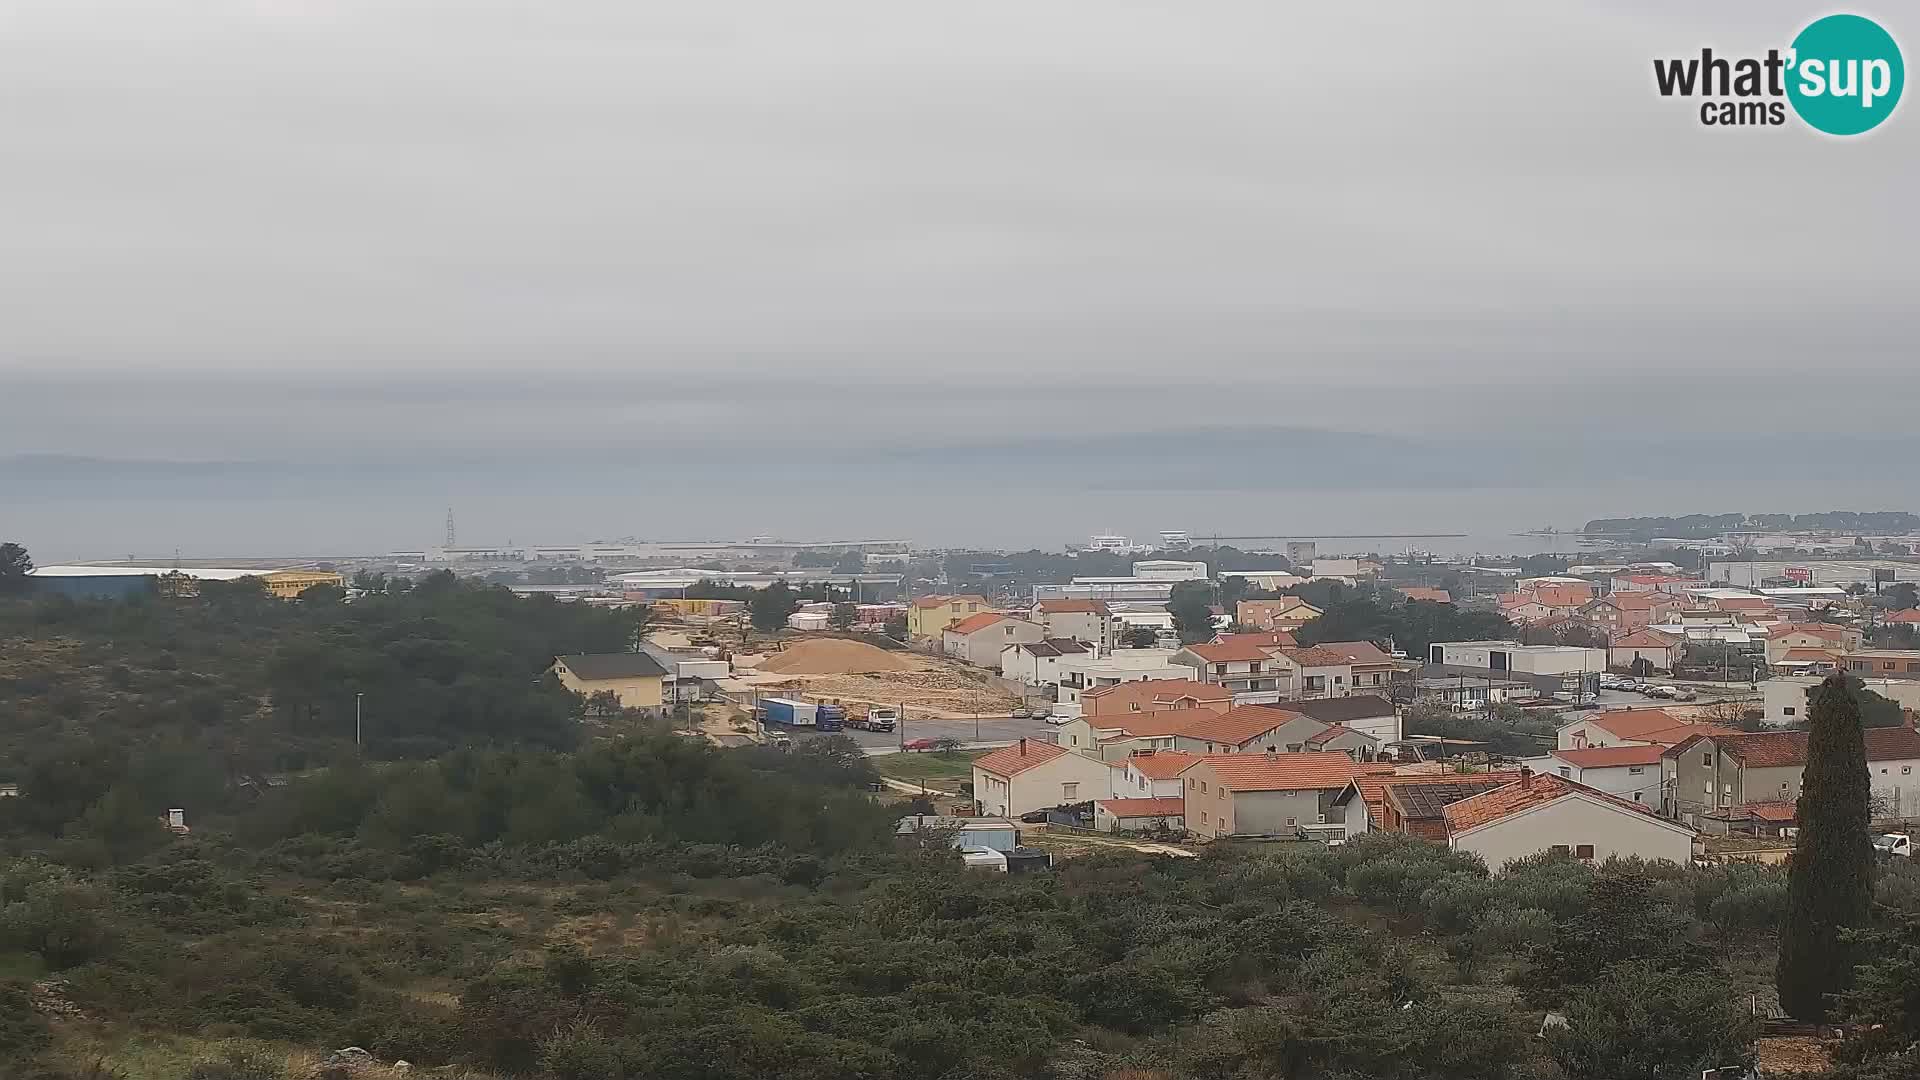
<point x="1032" y="775"/>
<point x="1825" y="637"/>
<point x="979" y="639"/>
<point x="1250" y="672"/>
<point x="1155" y="695"/>
<point x="928" y="616"/>
<point x="1369" y="671"/>
<point x="1089" y="622"/>
<point x="1323" y="672"/>
<point x="1718" y="772"/>
<point x="1281" y="613"/>
<point x="1038" y="663"/>
<point x="1264" y="794"/>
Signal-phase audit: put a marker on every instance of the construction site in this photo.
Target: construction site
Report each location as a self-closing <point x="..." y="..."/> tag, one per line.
<point x="856" y="673"/>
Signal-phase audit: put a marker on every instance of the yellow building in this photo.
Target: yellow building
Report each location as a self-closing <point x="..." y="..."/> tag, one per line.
<point x="701" y="609"/>
<point x="928" y="616"/>
<point x="636" y="679"/>
<point x="289" y="584"/>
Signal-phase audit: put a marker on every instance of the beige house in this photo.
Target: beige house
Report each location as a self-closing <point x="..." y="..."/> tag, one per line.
<point x="1281" y="613"/>
<point x="1032" y="775"/>
<point x="1624" y="650"/>
<point x="1548" y="813"/>
<point x="1721" y="772"/>
<point x="1243" y="668"/>
<point x="1264" y="794"/>
<point x="980" y="639"/>
<point x="1154" y="695"/>
<point x="1823" y="636"/>
<point x="636" y="679"/>
<point x="1087" y="621"/>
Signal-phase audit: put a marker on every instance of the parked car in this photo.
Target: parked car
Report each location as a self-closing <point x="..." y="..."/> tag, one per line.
<point x="1020" y="712"/>
<point x="912" y="745"/>
<point x="1060" y="721"/>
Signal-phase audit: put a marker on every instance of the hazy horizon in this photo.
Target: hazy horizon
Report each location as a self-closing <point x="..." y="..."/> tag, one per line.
<point x="279" y="277"/>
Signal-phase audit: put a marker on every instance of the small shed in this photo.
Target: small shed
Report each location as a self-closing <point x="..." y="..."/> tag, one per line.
<point x="994" y="834"/>
<point x="1139" y="815"/>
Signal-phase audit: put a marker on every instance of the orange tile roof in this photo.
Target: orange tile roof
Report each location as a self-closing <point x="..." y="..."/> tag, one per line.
<point x="1018" y="758"/>
<point x="1357" y="652"/>
<point x="1525" y="793"/>
<point x="1809" y="654"/>
<point x="1266" y="639"/>
<point x="1633" y="601"/>
<point x="975" y="623"/>
<point x="1161" y="764"/>
<point x="1229" y="652"/>
<point x="1373" y="785"/>
<point x="1821" y="630"/>
<point x="1416" y="592"/>
<point x="1607" y="757"/>
<point x="1563" y="595"/>
<point x="1157" y="691"/>
<point x="1785" y="749"/>
<point x="1068" y="607"/>
<point x="1236" y="726"/>
<point x="1145" y="725"/>
<point x="1911" y="615"/>
<point x="1631" y="723"/>
<point x="1315" y="656"/>
<point x="1281" y="772"/>
<point x="1163" y="806"/>
<point x="1771" y="811"/>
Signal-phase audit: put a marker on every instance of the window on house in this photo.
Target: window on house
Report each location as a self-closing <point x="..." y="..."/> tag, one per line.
<point x="1203" y="817"/>
<point x="1707" y="759"/>
<point x="1636" y="796"/>
<point x="1289" y="823"/>
<point x="1788" y="710"/>
<point x="1906" y="770"/>
<point x="1562" y="849"/>
<point x="1566" y="772"/>
<point x="1223" y="793"/>
<point x="1068" y="791"/>
<point x="1584" y="851"/>
<point x="1203" y="783"/>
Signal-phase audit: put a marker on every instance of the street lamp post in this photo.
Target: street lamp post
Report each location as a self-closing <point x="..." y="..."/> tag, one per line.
<point x="356" y="717"/>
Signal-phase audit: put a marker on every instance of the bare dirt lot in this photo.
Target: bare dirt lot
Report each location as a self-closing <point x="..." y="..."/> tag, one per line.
<point x="925" y="685"/>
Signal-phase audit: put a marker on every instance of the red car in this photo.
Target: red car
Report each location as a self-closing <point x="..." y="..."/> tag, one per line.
<point x="918" y="744"/>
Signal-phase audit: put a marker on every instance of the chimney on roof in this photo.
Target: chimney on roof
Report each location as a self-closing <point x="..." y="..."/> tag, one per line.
<point x="1526" y="778"/>
<point x="1023" y="748"/>
<point x="1271" y="756"/>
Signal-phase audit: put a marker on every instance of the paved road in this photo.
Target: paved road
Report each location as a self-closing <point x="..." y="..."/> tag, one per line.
<point x="990" y="731"/>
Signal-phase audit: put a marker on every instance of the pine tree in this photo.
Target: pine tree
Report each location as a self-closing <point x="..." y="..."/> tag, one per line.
<point x="1830" y="883"/>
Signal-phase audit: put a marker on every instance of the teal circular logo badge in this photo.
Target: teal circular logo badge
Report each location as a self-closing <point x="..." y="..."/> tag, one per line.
<point x="1846" y="75"/>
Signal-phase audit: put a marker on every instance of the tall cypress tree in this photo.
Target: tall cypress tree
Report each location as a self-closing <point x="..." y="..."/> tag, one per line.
<point x="1830" y="883"/>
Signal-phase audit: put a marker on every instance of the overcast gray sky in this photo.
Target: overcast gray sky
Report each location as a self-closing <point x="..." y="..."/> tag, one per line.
<point x="394" y="231"/>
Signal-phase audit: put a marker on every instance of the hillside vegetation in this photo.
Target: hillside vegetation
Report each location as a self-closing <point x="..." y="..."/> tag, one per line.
<point x="499" y="889"/>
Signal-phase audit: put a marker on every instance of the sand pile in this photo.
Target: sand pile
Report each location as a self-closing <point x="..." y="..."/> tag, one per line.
<point x="834" y="656"/>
